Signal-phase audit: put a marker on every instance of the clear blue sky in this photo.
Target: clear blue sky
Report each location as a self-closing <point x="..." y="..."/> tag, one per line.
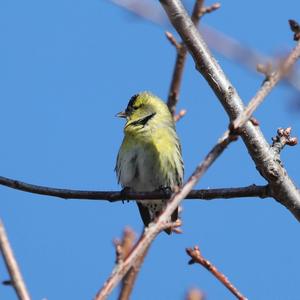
<point x="66" y="68"/>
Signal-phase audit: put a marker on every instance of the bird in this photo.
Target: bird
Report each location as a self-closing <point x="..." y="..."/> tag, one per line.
<point x="150" y="157"/>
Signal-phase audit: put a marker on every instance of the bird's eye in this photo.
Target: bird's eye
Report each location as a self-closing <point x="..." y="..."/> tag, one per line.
<point x="135" y="107"/>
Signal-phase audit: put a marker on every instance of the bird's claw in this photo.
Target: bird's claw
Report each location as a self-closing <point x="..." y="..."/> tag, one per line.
<point x="166" y="190"/>
<point x="125" y="191"/>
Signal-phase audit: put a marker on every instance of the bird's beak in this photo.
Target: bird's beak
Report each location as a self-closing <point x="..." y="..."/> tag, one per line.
<point x="121" y="114"/>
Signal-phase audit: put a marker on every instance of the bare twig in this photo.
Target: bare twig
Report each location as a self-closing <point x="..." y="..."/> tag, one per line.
<point x="161" y="223"/>
<point x="282" y="187"/>
<point x="129" y="279"/>
<point x="196" y="257"/>
<point x="198" y="12"/>
<point x="113" y="196"/>
<point x="173" y="40"/>
<point x="210" y="9"/>
<point x="124" y="246"/>
<point x="123" y="249"/>
<point x="272" y="78"/>
<point x="176" y="79"/>
<point x="180" y="115"/>
<point x="16" y="279"/>
<point x="283" y="138"/>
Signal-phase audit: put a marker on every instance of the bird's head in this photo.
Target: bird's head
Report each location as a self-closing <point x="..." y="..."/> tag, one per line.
<point x="144" y="109"/>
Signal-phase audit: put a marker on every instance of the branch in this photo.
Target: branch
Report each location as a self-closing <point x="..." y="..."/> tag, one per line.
<point x="196" y="257"/>
<point x="113" y="196"/>
<point x="281" y="185"/>
<point x="123" y="249"/>
<point x="124" y="246"/>
<point x="16" y="279"/>
<point x="130" y="277"/>
<point x="180" y="62"/>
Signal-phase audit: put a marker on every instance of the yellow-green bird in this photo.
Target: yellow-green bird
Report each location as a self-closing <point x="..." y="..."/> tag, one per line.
<point x="149" y="158"/>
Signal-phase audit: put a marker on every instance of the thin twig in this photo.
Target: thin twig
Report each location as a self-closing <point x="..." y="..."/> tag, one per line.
<point x="123" y="249"/>
<point x="271" y="81"/>
<point x="161" y="222"/>
<point x="130" y="277"/>
<point x="180" y="115"/>
<point x="124" y="246"/>
<point x="113" y="196"/>
<point x="173" y="96"/>
<point x="173" y="40"/>
<point x="210" y="9"/>
<point x="16" y="279"/>
<point x="282" y="187"/>
<point x="196" y="257"/>
<point x="283" y="138"/>
<point x="198" y="12"/>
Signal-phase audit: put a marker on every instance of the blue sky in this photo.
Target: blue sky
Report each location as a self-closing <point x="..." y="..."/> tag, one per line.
<point x="67" y="67"/>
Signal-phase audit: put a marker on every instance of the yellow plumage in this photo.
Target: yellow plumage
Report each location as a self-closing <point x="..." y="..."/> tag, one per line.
<point x="149" y="158"/>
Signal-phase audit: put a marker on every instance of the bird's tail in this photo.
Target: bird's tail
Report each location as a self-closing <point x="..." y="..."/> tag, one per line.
<point x="150" y="210"/>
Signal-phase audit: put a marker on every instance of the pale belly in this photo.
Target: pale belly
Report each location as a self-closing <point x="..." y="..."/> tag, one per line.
<point x="141" y="172"/>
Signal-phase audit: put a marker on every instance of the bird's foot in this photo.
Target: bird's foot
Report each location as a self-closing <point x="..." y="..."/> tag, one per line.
<point x="166" y="190"/>
<point x="125" y="191"/>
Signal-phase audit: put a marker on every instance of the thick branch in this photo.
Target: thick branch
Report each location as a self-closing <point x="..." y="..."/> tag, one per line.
<point x="16" y="279"/>
<point x="112" y="196"/>
<point x="281" y="185"/>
